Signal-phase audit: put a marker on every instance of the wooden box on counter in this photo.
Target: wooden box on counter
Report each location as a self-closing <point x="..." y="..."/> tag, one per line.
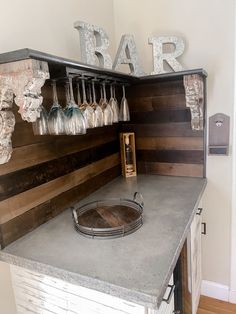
<point x="128" y="155"/>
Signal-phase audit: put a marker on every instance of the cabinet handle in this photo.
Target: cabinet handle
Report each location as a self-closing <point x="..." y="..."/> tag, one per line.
<point x="172" y="290"/>
<point x="199" y="211"/>
<point x="204" y="228"/>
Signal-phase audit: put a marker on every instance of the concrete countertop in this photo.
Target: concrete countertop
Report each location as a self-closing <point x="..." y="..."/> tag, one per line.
<point x="136" y="268"/>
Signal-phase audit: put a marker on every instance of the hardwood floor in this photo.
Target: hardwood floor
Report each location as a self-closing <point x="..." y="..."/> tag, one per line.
<point x="213" y="306"/>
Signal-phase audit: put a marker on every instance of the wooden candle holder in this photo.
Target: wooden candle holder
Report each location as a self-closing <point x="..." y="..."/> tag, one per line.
<point x="128" y="156"/>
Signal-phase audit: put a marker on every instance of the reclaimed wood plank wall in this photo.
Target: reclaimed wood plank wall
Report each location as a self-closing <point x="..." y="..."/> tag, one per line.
<point x="165" y="142"/>
<point x="47" y="174"/>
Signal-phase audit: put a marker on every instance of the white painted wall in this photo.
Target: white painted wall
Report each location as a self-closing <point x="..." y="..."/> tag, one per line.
<point x="46" y="26"/>
<point x="208" y="27"/>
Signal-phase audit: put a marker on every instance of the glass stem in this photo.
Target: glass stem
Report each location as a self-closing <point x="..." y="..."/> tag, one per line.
<point x="84" y="93"/>
<point x="90" y="94"/>
<point x="104" y="92"/>
<point x="94" y="94"/>
<point x="123" y="88"/>
<point x="54" y="89"/>
<point x="78" y="95"/>
<point x="71" y="90"/>
<point x="111" y="91"/>
<point x="67" y="93"/>
<point x="101" y="92"/>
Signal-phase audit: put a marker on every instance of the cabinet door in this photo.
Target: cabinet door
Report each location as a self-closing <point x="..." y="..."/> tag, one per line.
<point x="41" y="294"/>
<point x="195" y="261"/>
<point x="167" y="305"/>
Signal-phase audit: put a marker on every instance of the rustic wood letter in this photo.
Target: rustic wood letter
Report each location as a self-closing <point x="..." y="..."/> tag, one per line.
<point x="23" y="79"/>
<point x="194" y="96"/>
<point x="159" y="56"/>
<point x="93" y="42"/>
<point x="127" y="54"/>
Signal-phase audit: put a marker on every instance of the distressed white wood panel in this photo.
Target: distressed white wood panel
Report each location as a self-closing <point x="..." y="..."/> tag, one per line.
<point x="196" y="271"/>
<point x="39" y="294"/>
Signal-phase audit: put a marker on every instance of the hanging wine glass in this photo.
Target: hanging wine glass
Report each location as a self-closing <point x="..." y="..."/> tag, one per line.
<point x="114" y="106"/>
<point x="74" y="120"/>
<point x="40" y="126"/>
<point x="56" y="118"/>
<point x="98" y="113"/>
<point x="107" y="111"/>
<point x="124" y="114"/>
<point x="90" y="94"/>
<point x="101" y="101"/>
<point x="88" y="110"/>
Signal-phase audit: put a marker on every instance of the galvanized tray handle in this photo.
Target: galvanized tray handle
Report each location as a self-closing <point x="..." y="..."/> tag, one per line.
<point x="74" y="215"/>
<point x="138" y="198"/>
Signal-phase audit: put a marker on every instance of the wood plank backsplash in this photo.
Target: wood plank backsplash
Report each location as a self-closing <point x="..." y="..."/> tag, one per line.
<point x="47" y="174"/>
<point x="165" y="142"/>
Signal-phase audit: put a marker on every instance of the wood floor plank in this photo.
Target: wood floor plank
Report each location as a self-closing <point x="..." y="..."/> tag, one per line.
<point x="213" y="306"/>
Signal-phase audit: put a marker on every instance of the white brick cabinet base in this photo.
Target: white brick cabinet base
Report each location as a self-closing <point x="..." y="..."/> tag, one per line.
<point x="40" y="294"/>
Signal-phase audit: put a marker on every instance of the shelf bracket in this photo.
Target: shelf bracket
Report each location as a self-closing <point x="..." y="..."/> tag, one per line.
<point x="194" y="95"/>
<point x="24" y="80"/>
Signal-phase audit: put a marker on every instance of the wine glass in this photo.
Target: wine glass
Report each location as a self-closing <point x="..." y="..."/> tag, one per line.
<point x="88" y="110"/>
<point x="114" y="106"/>
<point x="56" y="117"/>
<point x="74" y="120"/>
<point x="107" y="111"/>
<point x="101" y="101"/>
<point x="40" y="126"/>
<point x="124" y="114"/>
<point x="98" y="113"/>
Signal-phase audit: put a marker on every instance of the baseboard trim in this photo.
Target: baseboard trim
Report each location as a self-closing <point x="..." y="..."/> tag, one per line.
<point x="215" y="290"/>
<point x="232" y="296"/>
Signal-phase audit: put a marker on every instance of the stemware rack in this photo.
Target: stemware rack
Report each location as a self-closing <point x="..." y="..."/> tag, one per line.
<point x="24" y="72"/>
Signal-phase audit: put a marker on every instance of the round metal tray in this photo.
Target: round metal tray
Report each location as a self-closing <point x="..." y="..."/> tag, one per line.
<point x="109" y="218"/>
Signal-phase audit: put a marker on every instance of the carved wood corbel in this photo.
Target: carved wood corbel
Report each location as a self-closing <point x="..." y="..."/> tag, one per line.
<point x="194" y="95"/>
<point x="24" y="79"/>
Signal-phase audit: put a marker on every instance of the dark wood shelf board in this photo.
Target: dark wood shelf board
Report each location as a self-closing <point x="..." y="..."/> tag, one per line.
<point x="59" y="66"/>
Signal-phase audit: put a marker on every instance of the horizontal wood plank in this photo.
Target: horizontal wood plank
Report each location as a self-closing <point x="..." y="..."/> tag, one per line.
<point x="181" y="129"/>
<point x="31" y="177"/>
<point x="169" y="143"/>
<point x="156" y="89"/>
<point x="171" y="156"/>
<point x="23" y="134"/>
<point x="31" y="219"/>
<point x="156" y="103"/>
<point x="19" y="204"/>
<point x="161" y="116"/>
<point x="30" y="155"/>
<point x="171" y="169"/>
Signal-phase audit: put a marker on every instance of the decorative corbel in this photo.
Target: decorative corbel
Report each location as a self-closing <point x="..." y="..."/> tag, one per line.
<point x="24" y="79"/>
<point x="194" y="95"/>
<point x="7" y="120"/>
